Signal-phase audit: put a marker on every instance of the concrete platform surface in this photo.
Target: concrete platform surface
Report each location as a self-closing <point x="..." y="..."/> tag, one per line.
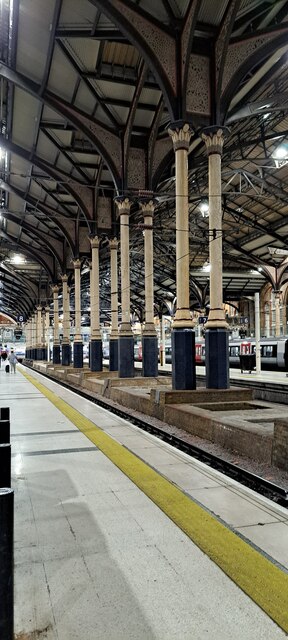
<point x="96" y="558"/>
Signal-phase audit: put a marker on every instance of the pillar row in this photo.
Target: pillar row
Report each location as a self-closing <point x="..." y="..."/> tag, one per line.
<point x="56" y="343"/>
<point x="39" y="333"/>
<point x="47" y="332"/>
<point x="66" y="347"/>
<point x="96" y="353"/>
<point x="277" y="313"/>
<point x="114" y="336"/>
<point x="183" y="335"/>
<point x="216" y="334"/>
<point x="126" y="341"/>
<point x="78" y="344"/>
<point x="149" y="335"/>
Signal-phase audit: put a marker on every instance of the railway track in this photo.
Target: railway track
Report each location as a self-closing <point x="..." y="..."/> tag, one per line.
<point x="265" y="488"/>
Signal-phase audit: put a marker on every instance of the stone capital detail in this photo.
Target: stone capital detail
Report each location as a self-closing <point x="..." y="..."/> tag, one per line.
<point x="55" y="289"/>
<point x="124" y="205"/>
<point x="147" y="207"/>
<point x="95" y="242"/>
<point x="113" y="244"/>
<point x="214" y="140"/>
<point x="47" y="309"/>
<point x="77" y="263"/>
<point x="180" y="135"/>
<point x="39" y="308"/>
<point x="64" y="278"/>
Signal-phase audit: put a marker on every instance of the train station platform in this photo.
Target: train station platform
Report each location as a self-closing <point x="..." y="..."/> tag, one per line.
<point x="119" y="536"/>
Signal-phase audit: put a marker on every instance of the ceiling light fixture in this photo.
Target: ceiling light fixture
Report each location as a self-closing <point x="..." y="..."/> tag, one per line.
<point x="204" y="208"/>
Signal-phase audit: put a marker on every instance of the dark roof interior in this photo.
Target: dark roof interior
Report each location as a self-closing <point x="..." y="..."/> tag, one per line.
<point x="87" y="91"/>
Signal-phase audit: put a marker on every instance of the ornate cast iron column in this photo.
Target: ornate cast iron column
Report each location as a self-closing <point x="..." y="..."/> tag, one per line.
<point x="126" y="340"/>
<point x="96" y="352"/>
<point x="277" y="313"/>
<point x="78" y="344"/>
<point x="66" y="347"/>
<point x="28" y="339"/>
<point x="216" y="334"/>
<point x="56" y="343"/>
<point x="183" y="335"/>
<point x="114" y="336"/>
<point x="43" y="348"/>
<point x="149" y="335"/>
<point x="47" y="332"/>
<point x="39" y="333"/>
<point x="33" y="336"/>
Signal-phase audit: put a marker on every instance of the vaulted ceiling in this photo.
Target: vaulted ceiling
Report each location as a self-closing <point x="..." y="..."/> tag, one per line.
<point x="87" y="92"/>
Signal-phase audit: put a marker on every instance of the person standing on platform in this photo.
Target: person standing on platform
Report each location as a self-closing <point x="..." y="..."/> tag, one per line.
<point x="13" y="361"/>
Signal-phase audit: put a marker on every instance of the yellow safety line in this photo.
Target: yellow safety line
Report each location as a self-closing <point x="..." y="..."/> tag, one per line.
<point x="259" y="578"/>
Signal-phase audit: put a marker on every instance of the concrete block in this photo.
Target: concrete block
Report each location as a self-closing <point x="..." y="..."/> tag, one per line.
<point x="280" y="444"/>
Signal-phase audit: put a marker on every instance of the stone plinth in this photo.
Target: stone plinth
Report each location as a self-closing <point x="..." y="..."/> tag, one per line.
<point x="280" y="444"/>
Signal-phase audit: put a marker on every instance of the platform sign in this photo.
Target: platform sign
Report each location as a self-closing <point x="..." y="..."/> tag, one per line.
<point x="21" y="318"/>
<point x="244" y="320"/>
<point x="202" y="319"/>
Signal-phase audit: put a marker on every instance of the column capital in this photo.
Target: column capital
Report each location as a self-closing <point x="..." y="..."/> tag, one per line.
<point x="180" y="133"/>
<point x="64" y="277"/>
<point x="124" y="205"/>
<point x="95" y="242"/>
<point x="76" y="263"/>
<point x="214" y="139"/>
<point x="113" y="244"/>
<point x="47" y="309"/>
<point x="55" y="288"/>
<point x="39" y="308"/>
<point x="148" y="206"/>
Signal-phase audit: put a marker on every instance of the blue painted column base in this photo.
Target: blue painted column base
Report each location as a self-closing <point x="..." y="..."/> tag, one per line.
<point x="126" y="356"/>
<point x="217" y="358"/>
<point x="95" y="355"/>
<point x="66" y="354"/>
<point x="150" y="356"/>
<point x="44" y="353"/>
<point x="183" y="359"/>
<point x="78" y="355"/>
<point x="113" y="354"/>
<point x="56" y="354"/>
<point x="39" y="353"/>
<point x="34" y="353"/>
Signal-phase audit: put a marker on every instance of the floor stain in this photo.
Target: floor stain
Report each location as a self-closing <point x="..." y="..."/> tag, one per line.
<point x="38" y="634"/>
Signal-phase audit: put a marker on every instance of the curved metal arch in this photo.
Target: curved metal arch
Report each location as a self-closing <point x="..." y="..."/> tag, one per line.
<point x="30" y="230"/>
<point x="71" y="114"/>
<point x="258" y="56"/>
<point x="21" y="305"/>
<point x="29" y="252"/>
<point x="49" y="170"/>
<point x="42" y="207"/>
<point x="138" y="41"/>
<point x="21" y="287"/>
<point x="9" y="315"/>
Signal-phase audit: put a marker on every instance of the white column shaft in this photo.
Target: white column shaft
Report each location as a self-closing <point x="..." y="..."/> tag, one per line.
<point x="114" y="288"/>
<point x="77" y="303"/>
<point x="182" y="236"/>
<point x="94" y="291"/>
<point x="215" y="235"/>
<point x="55" y="316"/>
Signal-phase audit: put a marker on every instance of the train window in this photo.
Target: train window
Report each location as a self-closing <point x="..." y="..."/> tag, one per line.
<point x="269" y="351"/>
<point x="234" y="351"/>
